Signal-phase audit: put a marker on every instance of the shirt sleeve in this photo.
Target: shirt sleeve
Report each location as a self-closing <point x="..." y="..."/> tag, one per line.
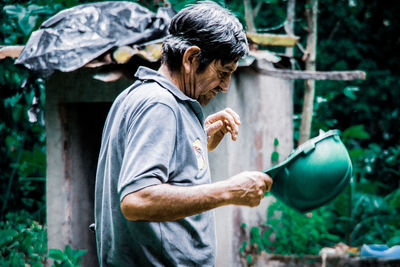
<point x="149" y="149"/>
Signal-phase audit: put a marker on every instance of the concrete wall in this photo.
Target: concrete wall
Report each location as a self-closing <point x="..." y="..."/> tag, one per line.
<point x="76" y="107"/>
<point x="265" y="106"/>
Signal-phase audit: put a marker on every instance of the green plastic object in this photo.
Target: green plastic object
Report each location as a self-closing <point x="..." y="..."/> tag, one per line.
<point x="314" y="173"/>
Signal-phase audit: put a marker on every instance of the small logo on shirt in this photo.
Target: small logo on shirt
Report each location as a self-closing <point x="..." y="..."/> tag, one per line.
<point x="199" y="152"/>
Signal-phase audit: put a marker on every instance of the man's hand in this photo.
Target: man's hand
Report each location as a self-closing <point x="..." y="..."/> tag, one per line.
<point x="220" y="123"/>
<point x="247" y="188"/>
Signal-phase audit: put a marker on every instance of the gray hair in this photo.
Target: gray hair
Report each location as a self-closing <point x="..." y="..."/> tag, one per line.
<point x="214" y="29"/>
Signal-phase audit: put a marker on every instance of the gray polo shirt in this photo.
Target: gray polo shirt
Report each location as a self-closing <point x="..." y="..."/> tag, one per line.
<point x="153" y="134"/>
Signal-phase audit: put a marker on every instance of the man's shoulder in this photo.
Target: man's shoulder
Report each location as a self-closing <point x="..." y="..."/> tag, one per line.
<point x="150" y="93"/>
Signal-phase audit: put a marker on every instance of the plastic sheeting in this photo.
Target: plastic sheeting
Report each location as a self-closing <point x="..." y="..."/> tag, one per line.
<point x="76" y="36"/>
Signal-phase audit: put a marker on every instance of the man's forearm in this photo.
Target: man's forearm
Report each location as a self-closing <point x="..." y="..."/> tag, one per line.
<point x="168" y="202"/>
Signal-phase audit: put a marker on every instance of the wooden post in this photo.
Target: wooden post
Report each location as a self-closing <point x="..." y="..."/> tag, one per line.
<point x="309" y="56"/>
<point x="249" y="16"/>
<point x="289" y="24"/>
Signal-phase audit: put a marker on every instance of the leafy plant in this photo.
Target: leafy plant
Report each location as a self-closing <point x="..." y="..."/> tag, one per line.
<point x="23" y="166"/>
<point x="369" y="219"/>
<point x="289" y="232"/>
<point x="27" y="16"/>
<point x="67" y="258"/>
<point x="22" y="241"/>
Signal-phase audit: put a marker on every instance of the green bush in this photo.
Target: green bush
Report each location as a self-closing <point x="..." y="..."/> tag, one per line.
<point x="22" y="241"/>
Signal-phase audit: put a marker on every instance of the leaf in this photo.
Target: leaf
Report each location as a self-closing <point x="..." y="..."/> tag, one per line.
<point x="14" y="10"/>
<point x="56" y="254"/>
<point x="274" y="156"/>
<point x="35" y="9"/>
<point x="357" y="153"/>
<point x="78" y="254"/>
<point x="395" y="240"/>
<point x="349" y="92"/>
<point x="28" y="23"/>
<point x="68" y="251"/>
<point x="356" y="131"/>
<point x="249" y="259"/>
<point x="276" y="142"/>
<point x="7" y="236"/>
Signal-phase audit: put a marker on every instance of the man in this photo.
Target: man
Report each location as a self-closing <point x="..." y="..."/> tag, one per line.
<point x="154" y="196"/>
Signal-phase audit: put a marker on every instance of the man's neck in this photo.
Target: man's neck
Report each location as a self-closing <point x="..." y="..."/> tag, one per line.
<point x="172" y="76"/>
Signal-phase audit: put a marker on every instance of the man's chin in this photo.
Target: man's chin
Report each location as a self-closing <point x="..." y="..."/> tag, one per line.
<point x="204" y="100"/>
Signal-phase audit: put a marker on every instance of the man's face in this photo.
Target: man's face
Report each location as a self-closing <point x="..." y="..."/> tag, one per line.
<point x="215" y="78"/>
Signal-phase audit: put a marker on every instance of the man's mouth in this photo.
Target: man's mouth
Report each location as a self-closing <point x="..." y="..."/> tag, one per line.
<point x="215" y="91"/>
<point x="219" y="89"/>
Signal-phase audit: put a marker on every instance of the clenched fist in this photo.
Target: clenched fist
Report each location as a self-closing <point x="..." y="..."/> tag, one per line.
<point x="247" y="188"/>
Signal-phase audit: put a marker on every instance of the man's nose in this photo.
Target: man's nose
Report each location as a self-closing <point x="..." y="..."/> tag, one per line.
<point x="225" y="84"/>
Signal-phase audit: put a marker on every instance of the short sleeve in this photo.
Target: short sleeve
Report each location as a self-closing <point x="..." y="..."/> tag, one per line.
<point x="149" y="149"/>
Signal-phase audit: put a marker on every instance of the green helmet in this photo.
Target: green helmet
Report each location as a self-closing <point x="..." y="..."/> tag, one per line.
<point x="313" y="174"/>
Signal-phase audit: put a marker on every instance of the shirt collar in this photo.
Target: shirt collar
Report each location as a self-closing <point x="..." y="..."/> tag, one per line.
<point x="144" y="73"/>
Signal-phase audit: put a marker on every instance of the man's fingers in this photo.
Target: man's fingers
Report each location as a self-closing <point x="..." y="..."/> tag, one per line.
<point x="235" y="116"/>
<point x="268" y="182"/>
<point x="265" y="180"/>
<point x="228" y="117"/>
<point x="232" y="128"/>
<point x="233" y="120"/>
<point x="214" y="127"/>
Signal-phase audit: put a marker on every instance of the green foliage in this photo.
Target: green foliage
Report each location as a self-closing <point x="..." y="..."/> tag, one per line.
<point x="23" y="144"/>
<point x="67" y="258"/>
<point x="22" y="175"/>
<point x="22" y="241"/>
<point x="21" y="18"/>
<point x="297" y="233"/>
<point x="275" y="154"/>
<point x="350" y="36"/>
<point x="276" y="142"/>
<point x="23" y="167"/>
<point x="369" y="219"/>
<point x="288" y="232"/>
<point x="364" y="217"/>
<point x="369" y="107"/>
<point x="359" y="35"/>
<point x="27" y="16"/>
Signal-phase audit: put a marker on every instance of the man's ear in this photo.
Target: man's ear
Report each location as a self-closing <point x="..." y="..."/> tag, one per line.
<point x="189" y="59"/>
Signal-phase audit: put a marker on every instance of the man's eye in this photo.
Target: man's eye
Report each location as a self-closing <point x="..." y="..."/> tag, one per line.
<point x="223" y="75"/>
